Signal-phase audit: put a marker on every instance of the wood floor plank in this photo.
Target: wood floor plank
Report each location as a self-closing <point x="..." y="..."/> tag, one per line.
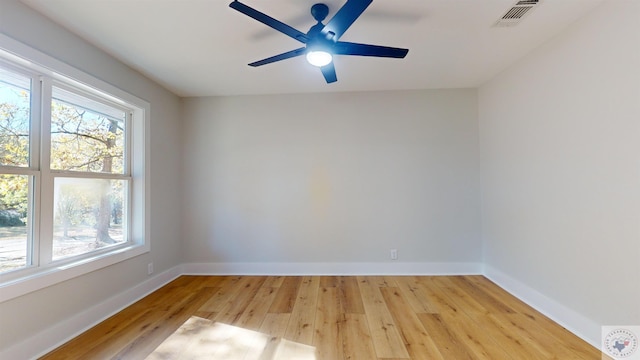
<point x="206" y="314"/>
<point x="168" y="299"/>
<point x="349" y="294"/>
<point x="146" y="341"/>
<point x="178" y="344"/>
<point x="530" y="334"/>
<point x="273" y="281"/>
<point x="493" y="304"/>
<point x="151" y="319"/>
<point x="516" y="346"/>
<point x="328" y="332"/>
<point x="98" y="335"/>
<point x="138" y="312"/>
<point x="227" y="342"/>
<point x="535" y="338"/>
<point x="329" y="318"/>
<point x="238" y="300"/>
<point x="329" y="281"/>
<point x="196" y="282"/>
<point x="227" y="289"/>
<point x="493" y="311"/>
<point x="386" y="337"/>
<point x="209" y="281"/>
<point x="448" y="342"/>
<point x="301" y="324"/>
<point x="288" y="350"/>
<point x="477" y="340"/>
<point x="382" y="281"/>
<point x="286" y="297"/>
<point x="357" y="340"/>
<point x="497" y="292"/>
<point x="417" y="340"/>
<point x="275" y="326"/>
<point x="254" y="314"/>
<point x="142" y="333"/>
<point x="415" y="295"/>
<point x="475" y="337"/>
<point x="569" y="341"/>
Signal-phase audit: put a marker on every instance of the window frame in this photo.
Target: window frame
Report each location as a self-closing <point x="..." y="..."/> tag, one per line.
<point x="50" y="175"/>
<point x="32" y="168"/>
<point x="44" y="271"/>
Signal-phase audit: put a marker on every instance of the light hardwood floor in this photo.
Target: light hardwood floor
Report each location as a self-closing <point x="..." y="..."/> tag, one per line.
<point x="328" y="318"/>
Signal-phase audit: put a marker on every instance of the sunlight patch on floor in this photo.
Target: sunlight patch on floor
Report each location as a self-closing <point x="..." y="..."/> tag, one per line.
<point x="200" y="338"/>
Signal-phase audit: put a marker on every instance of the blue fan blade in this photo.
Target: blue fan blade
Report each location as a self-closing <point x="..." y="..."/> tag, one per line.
<point x="343" y="19"/>
<point x="348" y="48"/>
<point x="283" y="56"/>
<point x="329" y="72"/>
<point x="269" y="21"/>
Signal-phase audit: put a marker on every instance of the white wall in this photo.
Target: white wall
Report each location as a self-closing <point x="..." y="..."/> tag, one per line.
<point x="560" y="158"/>
<point x="22" y="318"/>
<point x="333" y="178"/>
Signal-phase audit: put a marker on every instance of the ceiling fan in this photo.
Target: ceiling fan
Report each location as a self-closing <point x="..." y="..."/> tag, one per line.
<point x="322" y="41"/>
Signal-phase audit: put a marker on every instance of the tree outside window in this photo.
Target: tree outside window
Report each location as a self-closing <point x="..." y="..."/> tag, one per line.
<point x="88" y="167"/>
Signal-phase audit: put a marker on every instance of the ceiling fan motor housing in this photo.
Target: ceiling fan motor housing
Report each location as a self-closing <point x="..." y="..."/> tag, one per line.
<point x="319" y="12"/>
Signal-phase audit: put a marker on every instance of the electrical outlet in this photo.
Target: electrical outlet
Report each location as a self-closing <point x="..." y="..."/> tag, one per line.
<point x="394" y="254"/>
<point x="150" y="269"/>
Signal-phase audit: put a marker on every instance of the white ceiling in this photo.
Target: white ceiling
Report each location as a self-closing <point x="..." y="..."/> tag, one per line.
<point x="202" y="47"/>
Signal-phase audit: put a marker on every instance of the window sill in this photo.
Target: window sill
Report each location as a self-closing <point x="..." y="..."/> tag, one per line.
<point x="50" y="276"/>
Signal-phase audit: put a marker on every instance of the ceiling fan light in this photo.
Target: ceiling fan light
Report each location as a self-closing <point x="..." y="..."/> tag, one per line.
<point x="319" y="58"/>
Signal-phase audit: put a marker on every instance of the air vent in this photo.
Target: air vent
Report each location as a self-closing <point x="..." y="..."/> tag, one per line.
<point x="514" y="15"/>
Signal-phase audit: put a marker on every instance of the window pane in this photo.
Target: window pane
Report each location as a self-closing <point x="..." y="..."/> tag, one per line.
<point x="89" y="214"/>
<point x="86" y="135"/>
<point x="14" y="232"/>
<point x="15" y="110"/>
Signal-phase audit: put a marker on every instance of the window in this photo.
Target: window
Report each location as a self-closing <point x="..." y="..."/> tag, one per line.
<point x="87" y="162"/>
<point x="16" y="176"/>
<point x="72" y="172"/>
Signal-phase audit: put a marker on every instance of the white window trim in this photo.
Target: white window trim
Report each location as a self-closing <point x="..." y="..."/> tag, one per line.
<point x="42" y="277"/>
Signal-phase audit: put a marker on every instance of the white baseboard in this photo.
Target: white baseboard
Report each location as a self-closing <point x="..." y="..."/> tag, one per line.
<point x="49" y="339"/>
<point x="387" y="268"/>
<point x="583" y="327"/>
